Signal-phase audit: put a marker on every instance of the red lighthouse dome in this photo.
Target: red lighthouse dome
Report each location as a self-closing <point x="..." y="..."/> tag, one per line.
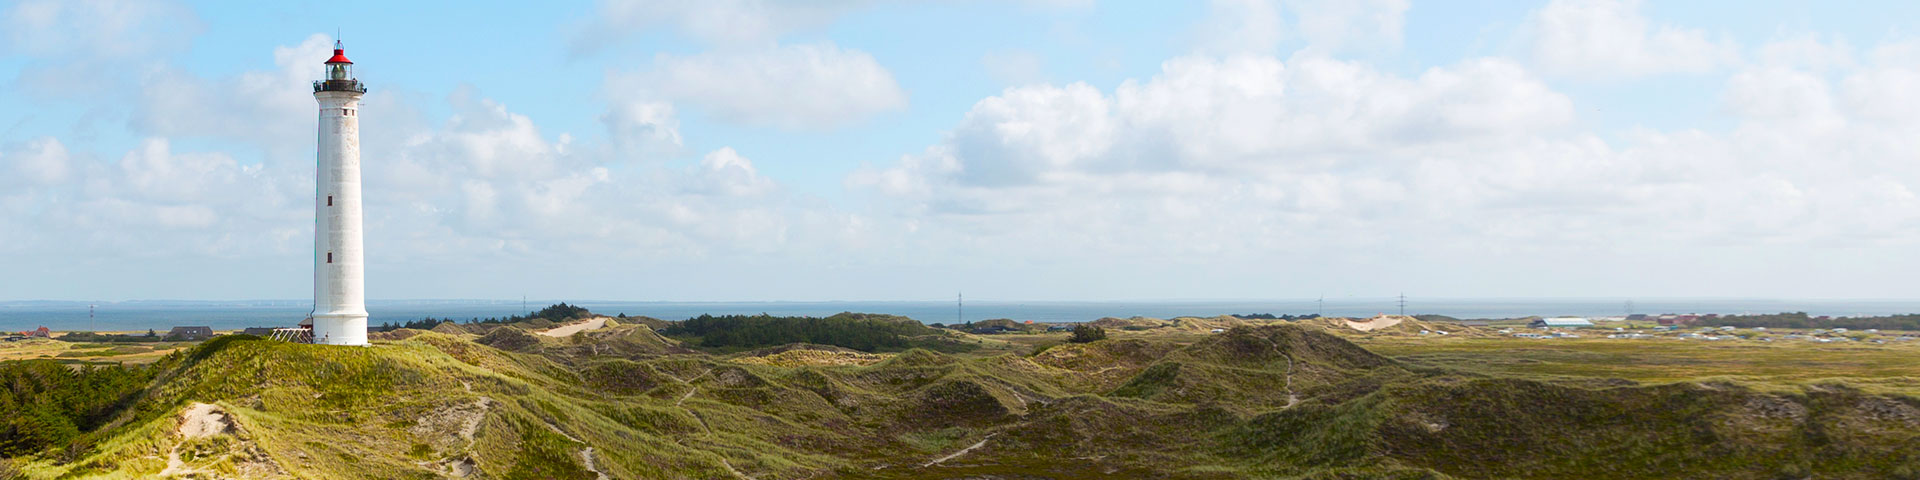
<point x="339" y="74"/>
<point x="339" y="54"/>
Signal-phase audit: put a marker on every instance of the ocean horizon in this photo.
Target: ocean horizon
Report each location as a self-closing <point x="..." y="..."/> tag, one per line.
<point x="161" y="315"/>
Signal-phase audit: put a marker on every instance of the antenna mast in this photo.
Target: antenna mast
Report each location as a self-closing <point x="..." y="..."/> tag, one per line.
<point x="1403" y="304"/>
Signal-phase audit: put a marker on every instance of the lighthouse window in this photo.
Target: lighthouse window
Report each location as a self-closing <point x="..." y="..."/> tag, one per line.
<point x="329" y="200"/>
<point x="329" y="257"/>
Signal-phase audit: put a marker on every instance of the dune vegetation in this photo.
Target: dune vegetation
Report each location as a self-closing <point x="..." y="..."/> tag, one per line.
<point x="1260" y="399"/>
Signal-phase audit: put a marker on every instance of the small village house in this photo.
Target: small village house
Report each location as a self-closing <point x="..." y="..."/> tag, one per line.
<point x="190" y="333"/>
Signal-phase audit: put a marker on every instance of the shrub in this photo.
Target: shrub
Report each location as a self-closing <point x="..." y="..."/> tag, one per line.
<point x="1087" y="334"/>
<point x="50" y="405"/>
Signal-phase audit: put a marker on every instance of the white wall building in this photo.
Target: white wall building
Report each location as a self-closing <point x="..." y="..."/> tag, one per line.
<point x="339" y="262"/>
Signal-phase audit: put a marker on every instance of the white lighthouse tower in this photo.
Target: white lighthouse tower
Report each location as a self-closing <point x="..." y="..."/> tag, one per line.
<point x="339" y="264"/>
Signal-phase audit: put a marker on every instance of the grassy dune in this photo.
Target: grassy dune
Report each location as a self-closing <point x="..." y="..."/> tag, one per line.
<point x="1261" y="401"/>
<point x="1886" y="368"/>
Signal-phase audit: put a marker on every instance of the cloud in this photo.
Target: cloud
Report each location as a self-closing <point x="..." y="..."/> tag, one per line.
<point x="1612" y="39"/>
<point x="747" y="75"/>
<point x="107" y="28"/>
<point x="642" y="129"/>
<point x="1807" y="51"/>
<point x="491" y="184"/>
<point x="487" y="183"/>
<point x="1193" y="140"/>
<point x="1231" y="159"/>
<point x="817" y="86"/>
<point x="155" y="202"/>
<point x="725" y="172"/>
<point x="724" y="22"/>
<point x="1236" y="161"/>
<point x="1236" y="27"/>
<point x="1241" y="26"/>
<point x="1243" y="114"/>
<point x="41" y="161"/>
<point x="82" y="47"/>
<point x="1889" y="89"/>
<point x="271" y="108"/>
<point x="1338" y="25"/>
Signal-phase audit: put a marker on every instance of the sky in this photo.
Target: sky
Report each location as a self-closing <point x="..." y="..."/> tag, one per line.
<point x="728" y="150"/>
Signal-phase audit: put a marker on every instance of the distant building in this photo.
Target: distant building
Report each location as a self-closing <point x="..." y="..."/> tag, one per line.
<point x="258" y="331"/>
<point x="1561" y="322"/>
<point x="1671" y="319"/>
<point x="190" y="333"/>
<point x="41" y="332"/>
<point x="1638" y="317"/>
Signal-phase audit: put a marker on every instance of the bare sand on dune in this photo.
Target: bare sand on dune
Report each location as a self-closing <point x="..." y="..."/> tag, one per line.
<point x="576" y="327"/>
<point x="1375" y="323"/>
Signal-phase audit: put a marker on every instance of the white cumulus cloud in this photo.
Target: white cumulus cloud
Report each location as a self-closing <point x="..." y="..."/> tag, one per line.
<point x="726" y="22"/>
<point x="1219" y="161"/>
<point x="1612" y="39"/>
<point x="813" y="86"/>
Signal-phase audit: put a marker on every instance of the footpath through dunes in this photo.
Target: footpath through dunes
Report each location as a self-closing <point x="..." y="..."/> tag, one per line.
<point x="1281" y="400"/>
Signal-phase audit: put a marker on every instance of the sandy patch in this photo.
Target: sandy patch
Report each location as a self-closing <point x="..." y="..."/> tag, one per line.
<point x="1375" y="323"/>
<point x="576" y="327"/>
<point x="202" y="420"/>
<point x="797" y="358"/>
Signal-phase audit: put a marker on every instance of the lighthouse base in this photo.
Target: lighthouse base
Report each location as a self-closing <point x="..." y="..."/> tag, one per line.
<point x="340" y="329"/>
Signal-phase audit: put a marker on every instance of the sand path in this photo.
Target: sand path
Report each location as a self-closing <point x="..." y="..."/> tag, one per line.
<point x="199" y="420"/>
<point x="963" y="451"/>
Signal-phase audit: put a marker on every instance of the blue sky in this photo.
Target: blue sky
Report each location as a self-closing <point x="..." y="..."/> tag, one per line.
<point x="1065" y="149"/>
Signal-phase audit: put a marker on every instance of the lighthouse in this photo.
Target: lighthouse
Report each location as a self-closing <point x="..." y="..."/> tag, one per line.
<point x="339" y="262"/>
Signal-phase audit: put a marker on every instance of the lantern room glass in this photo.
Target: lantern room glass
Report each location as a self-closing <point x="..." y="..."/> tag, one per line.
<point x="338" y="71"/>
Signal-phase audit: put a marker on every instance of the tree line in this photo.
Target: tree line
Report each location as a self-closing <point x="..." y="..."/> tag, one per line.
<point x="1802" y="320"/>
<point x="864" y="332"/>
<point x="558" y="312"/>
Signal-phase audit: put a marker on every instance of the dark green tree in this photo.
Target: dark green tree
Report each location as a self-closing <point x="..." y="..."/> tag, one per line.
<point x="1087" y="334"/>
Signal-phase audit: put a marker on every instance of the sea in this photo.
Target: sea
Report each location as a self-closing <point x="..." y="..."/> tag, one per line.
<point x="230" y="315"/>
